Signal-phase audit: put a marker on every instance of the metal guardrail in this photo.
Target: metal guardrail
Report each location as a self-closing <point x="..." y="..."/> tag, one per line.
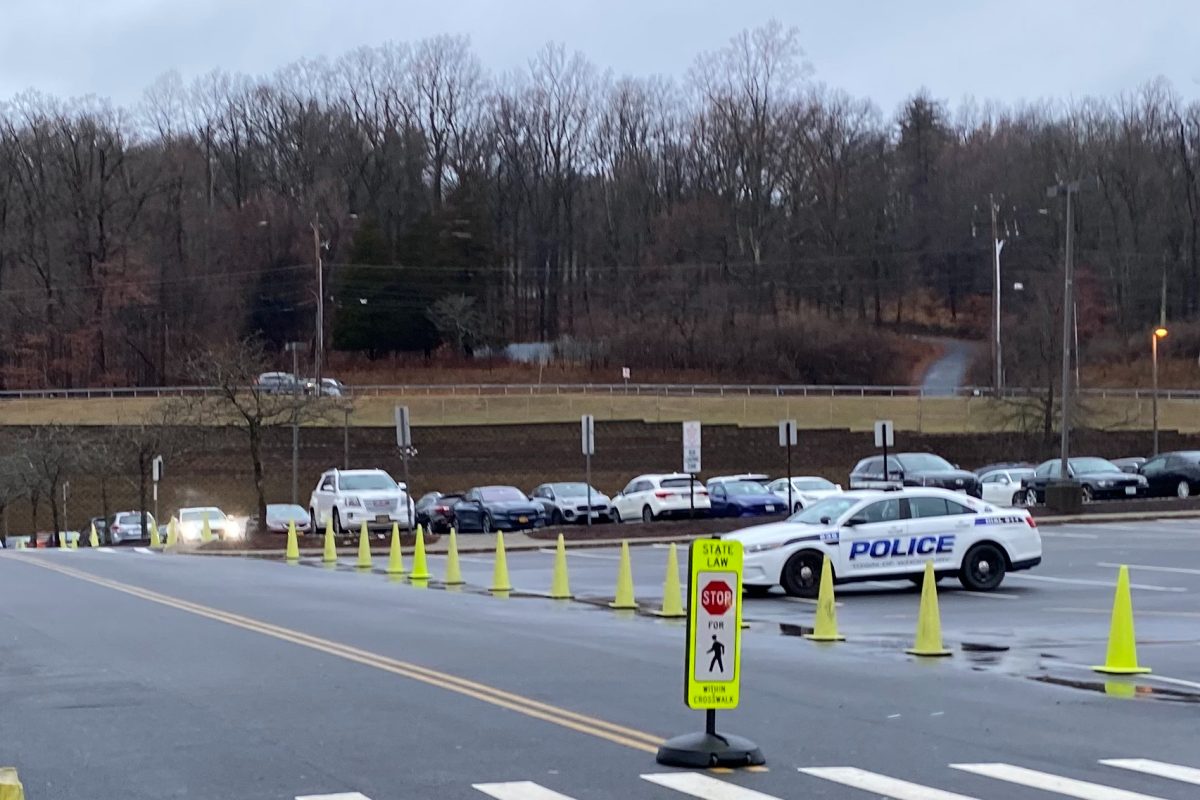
<point x="631" y="389"/>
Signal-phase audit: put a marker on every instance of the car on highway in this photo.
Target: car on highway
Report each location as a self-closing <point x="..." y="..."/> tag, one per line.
<point x="279" y="383"/>
<point x="742" y="498"/>
<point x="660" y="496"/>
<point x="1100" y="478"/>
<point x="351" y="497"/>
<point x="126" y="526"/>
<point x="497" y="508"/>
<point x="568" y="502"/>
<point x="806" y="490"/>
<point x="1005" y="486"/>
<point x="330" y="387"/>
<point x="191" y="524"/>
<point x="435" y="511"/>
<point x="1173" y="474"/>
<point x="913" y="469"/>
<point x="889" y="535"/>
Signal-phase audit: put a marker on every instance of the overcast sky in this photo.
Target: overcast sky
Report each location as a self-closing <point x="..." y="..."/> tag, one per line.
<point x="1006" y="51"/>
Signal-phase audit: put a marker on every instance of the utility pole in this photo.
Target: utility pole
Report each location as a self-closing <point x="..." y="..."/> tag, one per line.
<point x="997" y="353"/>
<point x="295" y="347"/>
<point x="320" y="337"/>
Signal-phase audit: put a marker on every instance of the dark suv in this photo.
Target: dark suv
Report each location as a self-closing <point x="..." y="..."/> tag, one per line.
<point x="1100" y="479"/>
<point x="913" y="469"/>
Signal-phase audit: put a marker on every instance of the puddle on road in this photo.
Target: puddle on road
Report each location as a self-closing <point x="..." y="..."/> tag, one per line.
<point x="1123" y="689"/>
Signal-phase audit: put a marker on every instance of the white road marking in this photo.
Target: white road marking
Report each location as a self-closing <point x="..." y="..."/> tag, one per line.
<point x="1141" y="612"/>
<point x="1140" y="678"/>
<point x="518" y="790"/>
<point x="338" y="796"/>
<point x="1065" y="535"/>
<point x="105" y="550"/>
<point x="704" y="787"/>
<point x="1148" y="568"/>
<point x="1045" y="781"/>
<point x="143" y="550"/>
<point x="1105" y="584"/>
<point x="597" y="556"/>
<point x="881" y="785"/>
<point x="982" y="595"/>
<point x="1173" y="771"/>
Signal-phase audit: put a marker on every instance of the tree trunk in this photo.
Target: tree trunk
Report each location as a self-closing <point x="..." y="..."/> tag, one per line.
<point x="255" y="434"/>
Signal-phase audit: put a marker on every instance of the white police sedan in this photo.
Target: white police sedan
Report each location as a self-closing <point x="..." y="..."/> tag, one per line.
<point x="889" y="535"/>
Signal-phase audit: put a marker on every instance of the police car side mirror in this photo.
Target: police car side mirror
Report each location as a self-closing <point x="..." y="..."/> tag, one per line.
<point x="824" y="520"/>
<point x="850" y="523"/>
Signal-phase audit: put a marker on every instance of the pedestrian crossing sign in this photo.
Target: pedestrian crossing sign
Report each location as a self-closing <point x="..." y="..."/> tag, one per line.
<point x="714" y="651"/>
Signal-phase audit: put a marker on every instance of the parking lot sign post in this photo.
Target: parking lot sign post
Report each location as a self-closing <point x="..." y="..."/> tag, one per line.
<point x="713" y="661"/>
<point x="156" y="474"/>
<point x="587" y="426"/>
<point x="787" y="438"/>
<point x="404" y="442"/>
<point x="885" y="437"/>
<point x="691" y="459"/>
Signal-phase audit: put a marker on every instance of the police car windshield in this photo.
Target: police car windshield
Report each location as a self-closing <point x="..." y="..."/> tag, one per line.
<point x="830" y="508"/>
<point x="815" y="485"/>
<point x="924" y="462"/>
<point x="1083" y="466"/>
<point x="744" y="487"/>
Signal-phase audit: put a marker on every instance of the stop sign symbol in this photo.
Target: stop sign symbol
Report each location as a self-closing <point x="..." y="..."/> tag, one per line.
<point x="716" y="597"/>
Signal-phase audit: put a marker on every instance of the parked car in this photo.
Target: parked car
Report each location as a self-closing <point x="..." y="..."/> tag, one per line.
<point x="806" y="490"/>
<point x="1131" y="464"/>
<point x="570" y="502"/>
<point x="435" y="511"/>
<point x="281" y="515"/>
<point x="981" y="471"/>
<point x="279" y="383"/>
<point x="1005" y="486"/>
<point x="651" y="497"/>
<point x="1101" y="479"/>
<point x="101" y="525"/>
<point x="497" y="508"/>
<point x="351" y="497"/>
<point x="913" y="469"/>
<point x="745" y="476"/>
<point x="126" y="526"/>
<point x="744" y="499"/>
<point x="191" y="524"/>
<point x="1173" y="474"/>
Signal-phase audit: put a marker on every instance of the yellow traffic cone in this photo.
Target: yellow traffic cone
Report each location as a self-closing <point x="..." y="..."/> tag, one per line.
<point x="420" y="571"/>
<point x="293" y="546"/>
<point x="172" y="533"/>
<point x="500" y="582"/>
<point x="453" y="568"/>
<point x="10" y="784"/>
<point x="672" y="605"/>
<point x="330" y="554"/>
<point x="21" y="544"/>
<point x="624" y="598"/>
<point x="395" y="553"/>
<point x="929" y="621"/>
<point x="560" y="584"/>
<point x="1122" y="644"/>
<point x="364" y="549"/>
<point x="93" y="537"/>
<point x="205" y="532"/>
<point x="62" y="541"/>
<point x="825" y="627"/>
<point x="74" y="543"/>
<point x="155" y="539"/>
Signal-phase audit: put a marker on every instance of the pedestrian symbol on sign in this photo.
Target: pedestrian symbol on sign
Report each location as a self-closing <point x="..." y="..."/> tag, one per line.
<point x="717" y="650"/>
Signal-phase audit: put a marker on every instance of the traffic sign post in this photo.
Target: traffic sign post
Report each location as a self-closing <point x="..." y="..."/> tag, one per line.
<point x="885" y="437"/>
<point x="691" y="459"/>
<point x="787" y="438"/>
<point x="156" y="473"/>
<point x="404" y="442"/>
<point x="587" y="432"/>
<point x="713" y="664"/>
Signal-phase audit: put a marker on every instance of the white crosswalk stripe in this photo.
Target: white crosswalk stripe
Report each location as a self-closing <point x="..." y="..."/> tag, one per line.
<point x="704" y="787"/>
<point x="338" y="796"/>
<point x="519" y="790"/>
<point x="881" y="785"/>
<point x="1173" y="771"/>
<point x="1082" y="790"/>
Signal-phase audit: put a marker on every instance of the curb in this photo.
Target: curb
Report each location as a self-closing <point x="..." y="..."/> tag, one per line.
<point x="1117" y="516"/>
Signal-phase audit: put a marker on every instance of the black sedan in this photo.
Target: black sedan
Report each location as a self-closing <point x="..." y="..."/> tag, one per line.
<point x="1173" y="474"/>
<point x="1101" y="480"/>
<point x="913" y="469"/>
<point x="435" y="511"/>
<point x="497" y="508"/>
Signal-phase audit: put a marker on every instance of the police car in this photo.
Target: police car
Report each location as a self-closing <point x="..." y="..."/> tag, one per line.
<point x="889" y="535"/>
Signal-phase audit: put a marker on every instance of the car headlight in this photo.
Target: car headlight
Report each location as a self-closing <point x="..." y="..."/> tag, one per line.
<point x="1104" y="484"/>
<point x="353" y="502"/>
<point x="758" y="548"/>
<point x="1142" y="481"/>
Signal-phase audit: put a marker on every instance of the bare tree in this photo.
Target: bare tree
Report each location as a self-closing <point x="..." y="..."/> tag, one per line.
<point x="51" y="453"/>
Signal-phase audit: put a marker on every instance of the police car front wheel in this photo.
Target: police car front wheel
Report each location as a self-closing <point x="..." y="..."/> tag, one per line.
<point x="983" y="568"/>
<point x="802" y="574"/>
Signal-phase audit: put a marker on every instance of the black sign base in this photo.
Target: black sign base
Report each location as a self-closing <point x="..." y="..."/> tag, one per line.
<point x="702" y="750"/>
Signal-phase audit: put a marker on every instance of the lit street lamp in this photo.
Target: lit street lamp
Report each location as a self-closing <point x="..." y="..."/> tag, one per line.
<point x="1159" y="333"/>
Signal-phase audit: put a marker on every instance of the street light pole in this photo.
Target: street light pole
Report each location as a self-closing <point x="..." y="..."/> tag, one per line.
<point x="1159" y="333"/>
<point x="320" y="335"/>
<point x="997" y="354"/>
<point x="295" y="348"/>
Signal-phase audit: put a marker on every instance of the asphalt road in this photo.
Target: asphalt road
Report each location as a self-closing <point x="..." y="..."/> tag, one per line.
<point x="949" y="372"/>
<point x="139" y="676"/>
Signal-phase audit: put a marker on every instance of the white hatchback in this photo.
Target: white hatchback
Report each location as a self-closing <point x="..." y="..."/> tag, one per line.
<point x="350" y="497"/>
<point x="881" y="535"/>
<point x="651" y="497"/>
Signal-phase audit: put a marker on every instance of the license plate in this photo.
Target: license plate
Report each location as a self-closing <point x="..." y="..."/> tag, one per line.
<point x="1130" y="490"/>
<point x="522" y="520"/>
<point x="382" y="519"/>
<point x="770" y="509"/>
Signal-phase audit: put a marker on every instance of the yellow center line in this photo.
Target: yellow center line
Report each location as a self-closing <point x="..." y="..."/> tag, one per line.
<point x="592" y="726"/>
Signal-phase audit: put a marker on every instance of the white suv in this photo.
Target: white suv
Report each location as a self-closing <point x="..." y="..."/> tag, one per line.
<point x="651" y="497"/>
<point x="351" y="497"/>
